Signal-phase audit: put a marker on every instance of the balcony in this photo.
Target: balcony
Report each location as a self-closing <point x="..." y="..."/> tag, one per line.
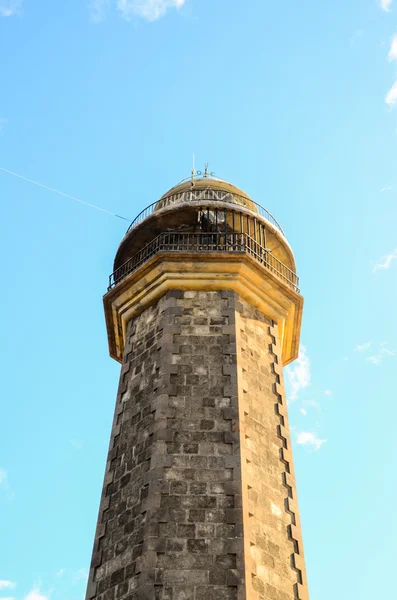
<point x="203" y="195"/>
<point x="206" y="242"/>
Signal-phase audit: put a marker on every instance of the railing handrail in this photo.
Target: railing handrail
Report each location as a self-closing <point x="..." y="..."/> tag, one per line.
<point x="176" y="241"/>
<point x="274" y="258"/>
<point x="180" y="197"/>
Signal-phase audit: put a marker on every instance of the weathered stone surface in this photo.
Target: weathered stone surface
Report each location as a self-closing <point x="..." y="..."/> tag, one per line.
<point x="199" y="498"/>
<point x="275" y="568"/>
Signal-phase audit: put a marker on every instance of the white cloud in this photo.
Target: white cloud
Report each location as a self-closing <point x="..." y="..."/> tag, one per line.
<point x="151" y="10"/>
<point x="378" y="358"/>
<point x="59" y="574"/>
<point x="6" y="585"/>
<point x="385" y="261"/>
<point x="35" y="594"/>
<point x="363" y="347"/>
<point x="303" y="411"/>
<point x="375" y="360"/>
<point x="98" y="10"/>
<point x="9" y="8"/>
<point x="7" y="598"/>
<point x="2" y="123"/>
<point x="299" y="374"/>
<point x="3" y="480"/>
<point x="391" y="97"/>
<point x="327" y="393"/>
<point x="387" y="188"/>
<point x="393" y="49"/>
<point x="77" y="445"/>
<point x="386" y="4"/>
<point x="5" y="486"/>
<point x="306" y="438"/>
<point x="387" y="351"/>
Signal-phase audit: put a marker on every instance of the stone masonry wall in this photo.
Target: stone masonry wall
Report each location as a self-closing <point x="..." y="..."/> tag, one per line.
<point x="275" y="567"/>
<point x="170" y="519"/>
<point x="200" y="393"/>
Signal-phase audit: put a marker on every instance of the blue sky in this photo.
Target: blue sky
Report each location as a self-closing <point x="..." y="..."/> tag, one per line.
<point x="107" y="101"/>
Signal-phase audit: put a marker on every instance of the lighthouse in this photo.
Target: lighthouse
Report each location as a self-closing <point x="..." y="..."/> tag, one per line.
<point x="203" y="310"/>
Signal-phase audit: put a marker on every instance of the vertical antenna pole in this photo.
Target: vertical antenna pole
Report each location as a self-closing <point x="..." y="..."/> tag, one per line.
<point x="193" y="172"/>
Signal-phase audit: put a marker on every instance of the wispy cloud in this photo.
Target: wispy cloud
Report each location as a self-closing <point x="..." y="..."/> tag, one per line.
<point x="393" y="49"/>
<point x="375" y="360"/>
<point x="59" y="574"/>
<point x="363" y="347"/>
<point x="387" y="188"/>
<point x="35" y="594"/>
<point x="151" y="10"/>
<point x="98" y="9"/>
<point x="306" y="438"/>
<point x="385" y="261"/>
<point x="386" y="4"/>
<point x="391" y="97"/>
<point x="3" y="122"/>
<point x="3" y="477"/>
<point x="382" y="353"/>
<point x="3" y="483"/>
<point x="303" y="411"/>
<point x="6" y="585"/>
<point x="77" y="445"/>
<point x="328" y="393"/>
<point x="299" y="374"/>
<point x="7" y="598"/>
<point x="5" y="486"/>
<point x="10" y="8"/>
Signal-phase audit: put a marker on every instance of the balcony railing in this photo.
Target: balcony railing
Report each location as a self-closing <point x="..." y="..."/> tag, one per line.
<point x="205" y="194"/>
<point x="205" y="243"/>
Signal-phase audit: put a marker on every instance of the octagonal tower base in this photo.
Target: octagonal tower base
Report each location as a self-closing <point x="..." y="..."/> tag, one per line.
<point x="199" y="499"/>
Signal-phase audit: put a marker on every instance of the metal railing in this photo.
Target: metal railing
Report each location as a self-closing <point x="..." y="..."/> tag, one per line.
<point x="205" y="194"/>
<point x="206" y="242"/>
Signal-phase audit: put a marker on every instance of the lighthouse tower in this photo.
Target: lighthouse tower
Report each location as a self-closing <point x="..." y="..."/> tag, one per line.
<point x="199" y="499"/>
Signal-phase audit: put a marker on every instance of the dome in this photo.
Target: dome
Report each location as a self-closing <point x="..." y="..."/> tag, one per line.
<point x="205" y="188"/>
<point x="181" y="208"/>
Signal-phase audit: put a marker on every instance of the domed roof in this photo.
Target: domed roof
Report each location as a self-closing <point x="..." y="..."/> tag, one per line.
<point x="206" y="188"/>
<point x="206" y="182"/>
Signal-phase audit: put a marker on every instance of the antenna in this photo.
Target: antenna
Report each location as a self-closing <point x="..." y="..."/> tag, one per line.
<point x="193" y="172"/>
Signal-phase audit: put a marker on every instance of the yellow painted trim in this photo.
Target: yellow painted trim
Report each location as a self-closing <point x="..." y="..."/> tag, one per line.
<point x="209" y="272"/>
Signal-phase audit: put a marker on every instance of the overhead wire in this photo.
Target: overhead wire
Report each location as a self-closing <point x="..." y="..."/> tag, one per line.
<point x="46" y="187"/>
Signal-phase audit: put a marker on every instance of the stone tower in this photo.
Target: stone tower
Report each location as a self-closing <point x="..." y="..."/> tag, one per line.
<point x="199" y="498"/>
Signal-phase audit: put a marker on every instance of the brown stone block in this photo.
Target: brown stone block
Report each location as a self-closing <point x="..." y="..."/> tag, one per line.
<point x="283" y="432"/>
<point x="299" y="564"/>
<point x="230" y="413"/>
<point x="289" y="480"/>
<point x="231" y="437"/>
<point x="295" y="535"/>
<point x="91" y="590"/>
<point x="280" y="391"/>
<point x="216" y="593"/>
<point x="234" y="515"/>
<point x="286" y="456"/>
<point x="302" y="592"/>
<point x="235" y="577"/>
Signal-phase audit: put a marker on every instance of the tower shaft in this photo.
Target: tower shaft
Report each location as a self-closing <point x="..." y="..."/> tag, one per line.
<point x="199" y="499"/>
